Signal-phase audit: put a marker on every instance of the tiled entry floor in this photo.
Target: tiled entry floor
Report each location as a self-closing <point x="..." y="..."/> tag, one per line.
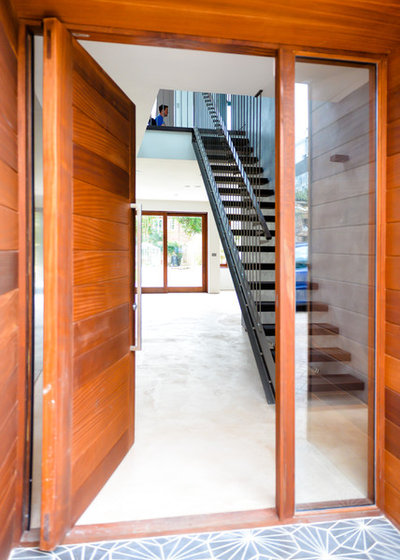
<point x="362" y="539"/>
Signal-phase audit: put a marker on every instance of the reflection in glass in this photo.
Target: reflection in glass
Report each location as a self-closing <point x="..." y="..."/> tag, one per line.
<point x="185" y="248"/>
<point x="37" y="282"/>
<point x="335" y="268"/>
<point x="152" y="252"/>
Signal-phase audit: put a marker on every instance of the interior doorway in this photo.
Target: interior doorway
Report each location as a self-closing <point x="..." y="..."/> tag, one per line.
<point x="209" y="327"/>
<point x="174" y="252"/>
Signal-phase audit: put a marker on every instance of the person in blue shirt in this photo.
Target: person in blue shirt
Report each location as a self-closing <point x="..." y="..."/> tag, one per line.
<point x="163" y="109"/>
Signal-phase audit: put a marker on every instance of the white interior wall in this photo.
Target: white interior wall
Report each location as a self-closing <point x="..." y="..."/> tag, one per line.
<point x="225" y="279"/>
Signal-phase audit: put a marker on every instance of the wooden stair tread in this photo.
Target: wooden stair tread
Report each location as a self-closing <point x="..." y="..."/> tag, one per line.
<point x="322" y="329"/>
<point x="328" y="354"/>
<point x="334" y="382"/>
<point x="312" y="306"/>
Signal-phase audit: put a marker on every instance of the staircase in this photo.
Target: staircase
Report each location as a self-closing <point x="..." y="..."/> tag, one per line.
<point x="243" y="205"/>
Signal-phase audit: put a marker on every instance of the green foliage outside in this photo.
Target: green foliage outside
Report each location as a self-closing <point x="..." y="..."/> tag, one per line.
<point x="152" y="232"/>
<point x="190" y="224"/>
<point x="301" y="194"/>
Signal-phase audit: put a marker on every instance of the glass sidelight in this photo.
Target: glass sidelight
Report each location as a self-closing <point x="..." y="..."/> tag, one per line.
<point x="335" y="283"/>
<point x="185" y="251"/>
<point x="153" y="251"/>
<point x="174" y="252"/>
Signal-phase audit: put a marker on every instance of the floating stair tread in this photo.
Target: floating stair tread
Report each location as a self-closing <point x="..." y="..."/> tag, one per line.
<point x="263" y="285"/>
<point x="237" y="179"/>
<point x="312" y="306"/>
<point x="262" y="248"/>
<point x="243" y="204"/>
<point x="221" y="149"/>
<point x="328" y="354"/>
<point x="270" y="306"/>
<point x="269" y="329"/>
<point x="259" y="266"/>
<point x="225" y="168"/>
<point x="265" y="205"/>
<point x="221" y="141"/>
<point x="212" y="132"/>
<point x="334" y="382"/>
<point x="248" y="218"/>
<point x="222" y="156"/>
<point x="260" y="285"/>
<point x="254" y="232"/>
<point x="322" y="329"/>
<point x="242" y="191"/>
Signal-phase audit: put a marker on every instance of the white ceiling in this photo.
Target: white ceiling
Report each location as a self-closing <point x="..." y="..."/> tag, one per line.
<point x="169" y="179"/>
<point x="141" y="71"/>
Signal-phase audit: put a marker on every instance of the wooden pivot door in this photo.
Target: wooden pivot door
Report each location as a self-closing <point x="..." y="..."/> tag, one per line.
<point x="88" y="396"/>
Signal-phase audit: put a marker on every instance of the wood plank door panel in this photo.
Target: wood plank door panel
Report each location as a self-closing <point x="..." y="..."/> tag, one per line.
<point x="89" y="266"/>
<point x="11" y="263"/>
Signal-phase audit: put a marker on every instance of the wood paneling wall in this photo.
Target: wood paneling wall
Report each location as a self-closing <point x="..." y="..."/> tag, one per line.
<point x="364" y="25"/>
<point x="9" y="294"/>
<point x="392" y="358"/>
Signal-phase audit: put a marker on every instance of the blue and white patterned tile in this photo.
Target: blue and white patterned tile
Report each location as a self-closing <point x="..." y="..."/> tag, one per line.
<point x="352" y="539"/>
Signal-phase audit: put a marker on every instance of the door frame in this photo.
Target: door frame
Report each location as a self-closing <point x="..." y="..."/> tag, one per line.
<point x="284" y="511"/>
<point x="166" y="289"/>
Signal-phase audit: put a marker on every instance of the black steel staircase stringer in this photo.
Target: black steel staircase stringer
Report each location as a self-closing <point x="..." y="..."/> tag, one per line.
<point x="263" y="355"/>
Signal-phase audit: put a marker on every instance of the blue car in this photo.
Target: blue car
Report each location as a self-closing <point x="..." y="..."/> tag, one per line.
<point x="301" y="255"/>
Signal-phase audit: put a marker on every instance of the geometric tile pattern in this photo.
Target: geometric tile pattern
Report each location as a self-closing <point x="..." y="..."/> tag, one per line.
<point x="372" y="538"/>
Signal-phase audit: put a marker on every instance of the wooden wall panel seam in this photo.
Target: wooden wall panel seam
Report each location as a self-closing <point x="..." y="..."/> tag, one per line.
<point x="99" y="109"/>
<point x="91" y="72"/>
<point x="90" y="135"/>
<point x="95" y="170"/>
<point x="91" y="332"/>
<point x="93" y="201"/>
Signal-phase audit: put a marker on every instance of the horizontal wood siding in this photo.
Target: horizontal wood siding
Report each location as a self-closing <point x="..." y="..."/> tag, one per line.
<point x="358" y="25"/>
<point x="102" y="362"/>
<point x="8" y="285"/>
<point x="392" y="358"/>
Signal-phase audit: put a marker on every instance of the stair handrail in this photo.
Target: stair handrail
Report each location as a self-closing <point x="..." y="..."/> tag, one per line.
<point x="232" y="252"/>
<point x="236" y="157"/>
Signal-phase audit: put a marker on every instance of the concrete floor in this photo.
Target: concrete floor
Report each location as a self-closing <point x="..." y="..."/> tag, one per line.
<point x="204" y="433"/>
<point x="205" y="436"/>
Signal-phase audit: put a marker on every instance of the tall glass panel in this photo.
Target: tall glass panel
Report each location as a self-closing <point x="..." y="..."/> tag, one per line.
<point x="335" y="283"/>
<point x="152" y="252"/>
<point x="185" y="251"/>
<point x="37" y="280"/>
